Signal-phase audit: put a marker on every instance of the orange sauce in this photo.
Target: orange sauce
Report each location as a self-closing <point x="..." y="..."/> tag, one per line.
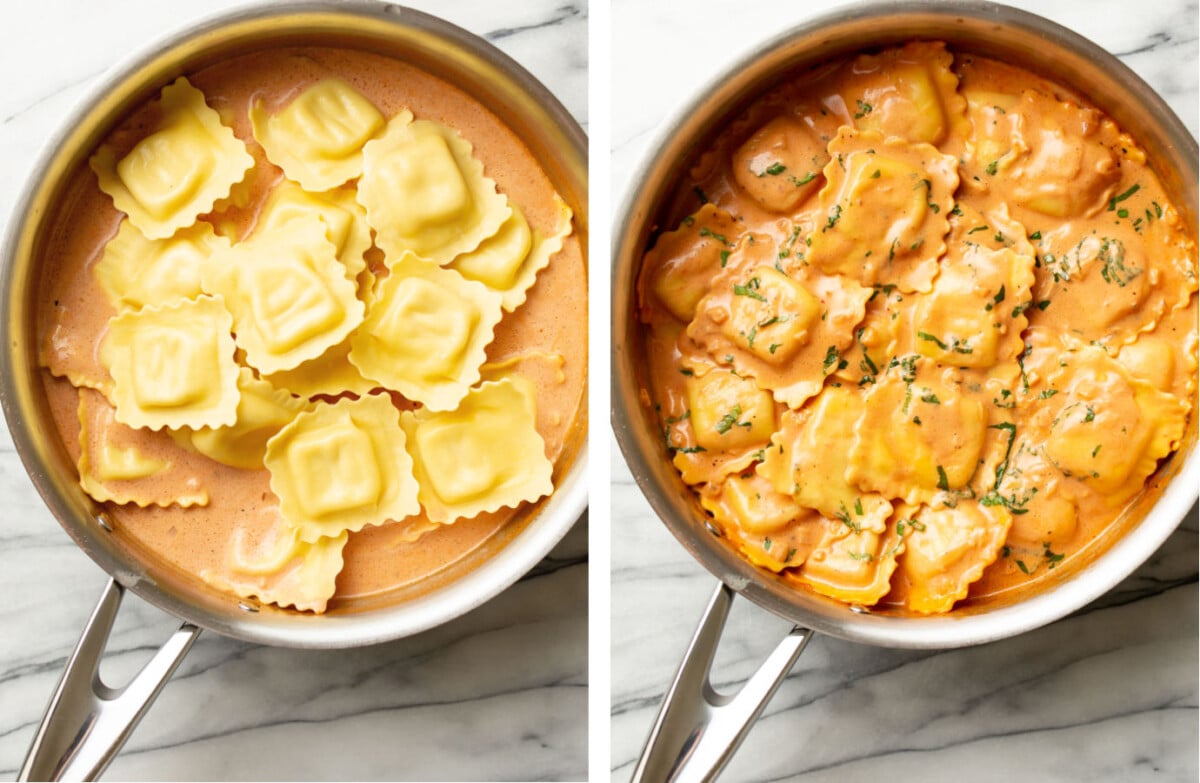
<point x="1007" y="277"/>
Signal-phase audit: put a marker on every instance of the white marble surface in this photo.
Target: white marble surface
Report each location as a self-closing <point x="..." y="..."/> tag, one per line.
<point x="1109" y="694"/>
<point x="500" y="693"/>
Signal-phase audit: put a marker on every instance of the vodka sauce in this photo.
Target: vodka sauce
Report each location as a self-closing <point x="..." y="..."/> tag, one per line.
<point x="920" y="330"/>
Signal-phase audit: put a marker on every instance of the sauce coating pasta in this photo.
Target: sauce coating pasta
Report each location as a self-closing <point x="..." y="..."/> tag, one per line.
<point x="924" y="330"/>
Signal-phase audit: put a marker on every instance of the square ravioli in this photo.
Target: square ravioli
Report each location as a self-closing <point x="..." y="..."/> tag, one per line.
<point x="426" y="333"/>
<point x="317" y="139"/>
<point x="342" y="466"/>
<point x="279" y="568"/>
<point x="173" y="366"/>
<point x="482" y="456"/>
<point x="885" y="203"/>
<point x="290" y="297"/>
<point x="135" y="271"/>
<point x="425" y="192"/>
<point x="179" y="171"/>
<point x="508" y="262"/>
<point x="119" y="464"/>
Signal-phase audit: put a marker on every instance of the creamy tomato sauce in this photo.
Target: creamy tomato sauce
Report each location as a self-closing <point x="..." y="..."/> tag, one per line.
<point x="920" y="328"/>
<point x="544" y="340"/>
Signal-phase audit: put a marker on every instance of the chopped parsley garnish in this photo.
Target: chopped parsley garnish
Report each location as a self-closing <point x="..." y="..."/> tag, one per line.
<point x="767" y="544"/>
<point x="1112" y="202"/>
<point x="867" y="556"/>
<point x="930" y="397"/>
<point x="1047" y="394"/>
<point x="1090" y="415"/>
<point x="831" y="357"/>
<point x="705" y="231"/>
<point x="700" y="194"/>
<point x="863" y="109"/>
<point x="844" y="517"/>
<point x="807" y="178"/>
<point x="991" y="167"/>
<point x="724" y="258"/>
<point x="876" y="174"/>
<point x="750" y="289"/>
<point x="1112" y="258"/>
<point x="774" y="170"/>
<point x="1024" y="568"/>
<point x="772" y="347"/>
<point x="1051" y="557"/>
<point x="834" y="215"/>
<point x="858" y="509"/>
<point x="1036" y="235"/>
<point x="943" y="481"/>
<point x="730" y="420"/>
<point x="984" y="227"/>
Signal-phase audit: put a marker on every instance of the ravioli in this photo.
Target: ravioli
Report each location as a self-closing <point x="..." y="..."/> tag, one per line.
<point x="290" y="297"/>
<point x="135" y="271"/>
<point x="116" y="464"/>
<point x="344" y="218"/>
<point x="262" y="411"/>
<point x="508" y="262"/>
<point x="173" y="366"/>
<point x="682" y="261"/>
<point x="900" y="457"/>
<point x="426" y="333"/>
<point x="425" y="193"/>
<point x="809" y="460"/>
<point x="885" y="204"/>
<point x="484" y="455"/>
<point x="318" y="138"/>
<point x="786" y="333"/>
<point x="947" y="551"/>
<point x="341" y="467"/>
<point x="931" y="333"/>
<point x="282" y="569"/>
<point x="178" y="172"/>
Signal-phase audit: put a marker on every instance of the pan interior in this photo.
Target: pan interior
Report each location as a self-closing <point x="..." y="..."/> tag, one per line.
<point x="983" y="29"/>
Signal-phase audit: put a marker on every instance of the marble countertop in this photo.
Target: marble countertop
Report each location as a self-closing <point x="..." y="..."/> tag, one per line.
<point x="500" y="693"/>
<point x="1108" y="694"/>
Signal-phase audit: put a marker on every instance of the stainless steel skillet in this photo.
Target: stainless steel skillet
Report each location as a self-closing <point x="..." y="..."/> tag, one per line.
<point x="697" y="730"/>
<point x="87" y="721"/>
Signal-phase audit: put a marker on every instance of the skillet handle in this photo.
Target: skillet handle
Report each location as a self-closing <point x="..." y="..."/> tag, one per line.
<point x="87" y="722"/>
<point x="697" y="729"/>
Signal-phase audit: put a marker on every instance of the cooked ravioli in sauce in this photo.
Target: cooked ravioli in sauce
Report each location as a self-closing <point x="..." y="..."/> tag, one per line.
<point x="921" y="330"/>
<point x="280" y="377"/>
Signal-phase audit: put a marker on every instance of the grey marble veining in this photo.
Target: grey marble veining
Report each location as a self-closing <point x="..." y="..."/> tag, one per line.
<point x="500" y="693"/>
<point x="1108" y="694"/>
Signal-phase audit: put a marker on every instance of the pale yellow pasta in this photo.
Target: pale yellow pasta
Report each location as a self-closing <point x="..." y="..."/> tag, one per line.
<point x="345" y="219"/>
<point x="318" y="138"/>
<point x="119" y="465"/>
<point x="509" y="260"/>
<point x="426" y="333"/>
<point x="135" y="271"/>
<point x="330" y="374"/>
<point x="483" y="455"/>
<point x="289" y="296"/>
<point x="425" y="193"/>
<point x="281" y="569"/>
<point x="178" y="172"/>
<point x="173" y="366"/>
<point x="342" y="466"/>
<point x="262" y="411"/>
